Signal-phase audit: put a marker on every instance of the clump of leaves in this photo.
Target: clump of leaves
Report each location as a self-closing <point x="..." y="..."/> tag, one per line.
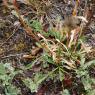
<point x="83" y="73"/>
<point x="7" y="73"/>
<point x="66" y="50"/>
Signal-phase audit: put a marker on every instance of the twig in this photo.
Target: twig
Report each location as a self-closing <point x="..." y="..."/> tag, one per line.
<point x="12" y="55"/>
<point x="28" y="29"/>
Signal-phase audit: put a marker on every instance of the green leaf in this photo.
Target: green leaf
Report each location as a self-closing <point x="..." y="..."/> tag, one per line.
<point x="65" y="92"/>
<point x="9" y="67"/>
<point x="36" y="25"/>
<point x="2" y="69"/>
<point x="61" y="74"/>
<point x="89" y="64"/>
<point x="91" y="92"/>
<point x="31" y="84"/>
<point x="11" y="90"/>
<point x="56" y="34"/>
<point x="47" y="58"/>
<point x="34" y="84"/>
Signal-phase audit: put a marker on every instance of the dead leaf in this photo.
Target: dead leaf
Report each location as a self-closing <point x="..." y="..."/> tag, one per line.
<point x="70" y="64"/>
<point x="35" y="51"/>
<point x="27" y="56"/>
<point x="74" y="35"/>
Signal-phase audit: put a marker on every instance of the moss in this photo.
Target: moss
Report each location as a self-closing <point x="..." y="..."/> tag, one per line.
<point x="20" y="46"/>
